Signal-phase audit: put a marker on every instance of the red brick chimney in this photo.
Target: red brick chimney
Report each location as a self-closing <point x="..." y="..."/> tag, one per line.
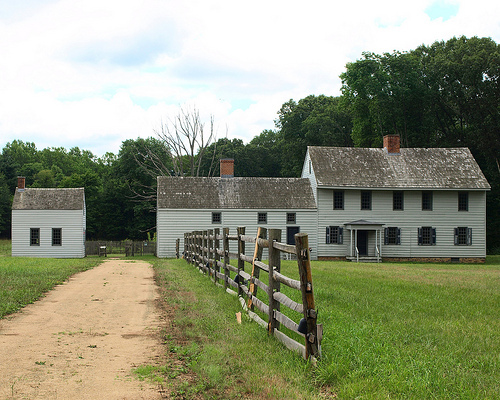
<point x="21" y="182"/>
<point x="391" y="144"/>
<point x="227" y="168"/>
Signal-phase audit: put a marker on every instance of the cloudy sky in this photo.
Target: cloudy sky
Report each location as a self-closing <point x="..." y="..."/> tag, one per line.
<point x="94" y="73"/>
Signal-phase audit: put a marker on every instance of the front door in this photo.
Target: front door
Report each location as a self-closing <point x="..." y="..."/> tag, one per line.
<point x="362" y="241"/>
<point x="290" y="234"/>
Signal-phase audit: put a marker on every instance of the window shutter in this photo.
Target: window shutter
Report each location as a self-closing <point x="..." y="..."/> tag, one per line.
<point x="420" y="239"/>
<point x="340" y="236"/>
<point x="433" y="235"/>
<point x="469" y="236"/>
<point x="327" y="235"/>
<point x="398" y="237"/>
<point x="456" y="237"/>
<point x="386" y="235"/>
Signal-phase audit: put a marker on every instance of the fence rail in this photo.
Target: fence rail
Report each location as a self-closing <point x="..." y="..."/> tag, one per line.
<point x="209" y="251"/>
<point x="128" y="247"/>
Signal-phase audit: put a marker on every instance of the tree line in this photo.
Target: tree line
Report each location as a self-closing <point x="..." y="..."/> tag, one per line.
<point x="443" y="95"/>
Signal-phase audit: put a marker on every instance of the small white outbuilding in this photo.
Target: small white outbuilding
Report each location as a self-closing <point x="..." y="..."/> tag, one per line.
<point x="48" y="222"/>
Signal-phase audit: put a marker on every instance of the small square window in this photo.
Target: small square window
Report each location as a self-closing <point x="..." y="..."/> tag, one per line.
<point x="291" y="218"/>
<point x="463" y="236"/>
<point x="366" y="200"/>
<point x="216" y="218"/>
<point x="463" y="201"/>
<point x="334" y="235"/>
<point x="397" y="201"/>
<point x="262" y="218"/>
<point x="427" y="201"/>
<point x="34" y="236"/>
<point x="56" y="237"/>
<point x="392" y="235"/>
<point x="427" y="236"/>
<point x="338" y="200"/>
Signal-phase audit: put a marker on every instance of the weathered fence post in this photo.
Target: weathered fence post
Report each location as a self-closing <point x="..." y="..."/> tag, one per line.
<point x="274" y="286"/>
<point x="241" y="262"/>
<point x="257" y="256"/>
<point x="177" y="241"/>
<point x="216" y="253"/>
<point x="306" y="287"/>
<point x="225" y="244"/>
<point x="210" y="245"/>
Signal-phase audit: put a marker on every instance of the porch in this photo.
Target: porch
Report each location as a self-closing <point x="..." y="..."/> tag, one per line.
<point x="366" y="241"/>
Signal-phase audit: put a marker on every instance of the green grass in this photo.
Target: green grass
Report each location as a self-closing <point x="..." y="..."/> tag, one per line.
<point x="391" y="331"/>
<point x="24" y="280"/>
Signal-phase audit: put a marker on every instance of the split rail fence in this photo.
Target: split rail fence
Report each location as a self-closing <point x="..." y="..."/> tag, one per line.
<point x="210" y="252"/>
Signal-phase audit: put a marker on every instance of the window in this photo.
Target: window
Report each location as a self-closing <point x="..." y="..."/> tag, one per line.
<point x="397" y="201"/>
<point x="426" y="236"/>
<point x="463" y="201"/>
<point x="334" y="235"/>
<point x="291" y="218"/>
<point x="392" y="235"/>
<point x="427" y="201"/>
<point x="262" y="218"/>
<point x="338" y="200"/>
<point x="56" y="237"/>
<point x="463" y="236"/>
<point x="310" y="167"/>
<point x="366" y="200"/>
<point x="216" y="218"/>
<point x="34" y="236"/>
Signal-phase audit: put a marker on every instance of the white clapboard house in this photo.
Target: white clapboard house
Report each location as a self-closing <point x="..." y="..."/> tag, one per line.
<point x="48" y="222"/>
<point x="398" y="203"/>
<point x="186" y="204"/>
<point x="364" y="204"/>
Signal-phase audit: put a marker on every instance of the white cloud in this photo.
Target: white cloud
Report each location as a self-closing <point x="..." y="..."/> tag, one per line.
<point x="94" y="73"/>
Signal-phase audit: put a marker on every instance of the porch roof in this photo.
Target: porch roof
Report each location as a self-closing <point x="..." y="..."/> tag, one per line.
<point x="363" y="224"/>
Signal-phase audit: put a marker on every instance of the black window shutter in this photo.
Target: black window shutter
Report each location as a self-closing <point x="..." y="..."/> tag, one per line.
<point x="398" y="237"/>
<point x="327" y="235"/>
<point x="420" y="236"/>
<point x="456" y="237"/>
<point x="433" y="235"/>
<point x="340" y="236"/>
<point x="386" y="235"/>
<point x="469" y="236"/>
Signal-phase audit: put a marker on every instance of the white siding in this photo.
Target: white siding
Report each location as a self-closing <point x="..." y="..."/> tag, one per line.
<point x="308" y="172"/>
<point x="444" y="217"/>
<point x="71" y="222"/>
<point x="172" y="224"/>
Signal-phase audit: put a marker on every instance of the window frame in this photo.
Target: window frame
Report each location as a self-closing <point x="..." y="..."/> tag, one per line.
<point x="392" y="236"/>
<point x="427" y="236"/>
<point x="462" y="236"/>
<point x="334" y="235"/>
<point x="366" y="200"/>
<point x="427" y="200"/>
<point x="400" y="202"/>
<point x="216" y="217"/>
<point x="463" y="201"/>
<point x="34" y="236"/>
<point x="338" y="199"/>
<point x="291" y="218"/>
<point x="262" y="218"/>
<point x="56" y="236"/>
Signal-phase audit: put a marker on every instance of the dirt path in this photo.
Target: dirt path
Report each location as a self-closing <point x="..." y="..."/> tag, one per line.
<point x="84" y="338"/>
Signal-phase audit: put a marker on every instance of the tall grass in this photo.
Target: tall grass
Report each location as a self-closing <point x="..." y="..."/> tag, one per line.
<point x="23" y="280"/>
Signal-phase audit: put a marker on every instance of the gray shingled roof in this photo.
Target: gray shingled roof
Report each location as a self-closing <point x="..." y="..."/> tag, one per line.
<point x="415" y="168"/>
<point x="234" y="193"/>
<point x="49" y="199"/>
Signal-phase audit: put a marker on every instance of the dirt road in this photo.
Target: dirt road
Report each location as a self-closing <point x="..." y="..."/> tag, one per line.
<point x="84" y="338"/>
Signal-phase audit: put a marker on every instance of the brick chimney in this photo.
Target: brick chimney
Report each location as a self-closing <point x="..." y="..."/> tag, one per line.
<point x="21" y="183"/>
<point x="391" y="144"/>
<point x="227" y="168"/>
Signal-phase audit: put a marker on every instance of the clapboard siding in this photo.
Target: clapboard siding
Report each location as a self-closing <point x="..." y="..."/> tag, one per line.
<point x="172" y="224"/>
<point x="71" y="222"/>
<point x="445" y="217"/>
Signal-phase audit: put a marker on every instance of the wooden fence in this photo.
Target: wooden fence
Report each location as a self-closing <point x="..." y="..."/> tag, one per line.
<point x="209" y="251"/>
<point x="104" y="248"/>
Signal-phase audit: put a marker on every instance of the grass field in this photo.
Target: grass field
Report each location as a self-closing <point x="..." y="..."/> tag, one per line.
<point x="391" y="330"/>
